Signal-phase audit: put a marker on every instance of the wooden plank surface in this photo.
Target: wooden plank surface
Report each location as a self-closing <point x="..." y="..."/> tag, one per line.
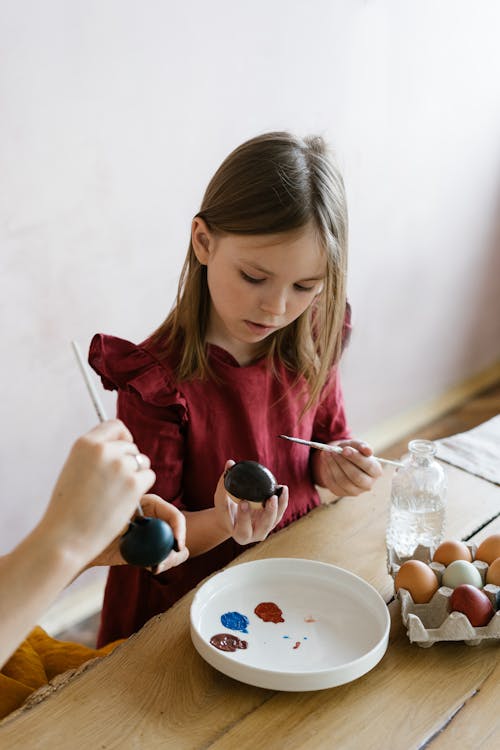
<point x="155" y="691"/>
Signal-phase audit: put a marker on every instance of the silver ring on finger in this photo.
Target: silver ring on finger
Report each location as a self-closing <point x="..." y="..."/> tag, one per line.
<point x="141" y="461"/>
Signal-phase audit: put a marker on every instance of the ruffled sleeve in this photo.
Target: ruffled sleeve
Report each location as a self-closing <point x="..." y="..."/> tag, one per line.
<point x="149" y="403"/>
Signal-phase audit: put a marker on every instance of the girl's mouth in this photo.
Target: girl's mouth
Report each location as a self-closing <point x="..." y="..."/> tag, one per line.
<point x="259" y="328"/>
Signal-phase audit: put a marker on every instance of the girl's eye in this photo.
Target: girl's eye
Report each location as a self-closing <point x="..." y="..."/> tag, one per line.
<point x="250" y="279"/>
<point x="254" y="280"/>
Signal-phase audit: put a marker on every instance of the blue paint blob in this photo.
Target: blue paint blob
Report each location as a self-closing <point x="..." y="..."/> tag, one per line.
<point x="235" y="621"/>
<point x="286" y="636"/>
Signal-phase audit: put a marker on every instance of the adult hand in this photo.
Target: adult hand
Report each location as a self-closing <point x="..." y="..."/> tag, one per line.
<point x="348" y="473"/>
<point x="97" y="491"/>
<point x="243" y="522"/>
<point x="154" y="507"/>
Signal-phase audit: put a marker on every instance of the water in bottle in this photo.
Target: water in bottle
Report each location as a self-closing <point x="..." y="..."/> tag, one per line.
<point x="418" y="501"/>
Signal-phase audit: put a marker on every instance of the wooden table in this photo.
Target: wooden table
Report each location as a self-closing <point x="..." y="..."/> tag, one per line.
<point x="155" y="691"/>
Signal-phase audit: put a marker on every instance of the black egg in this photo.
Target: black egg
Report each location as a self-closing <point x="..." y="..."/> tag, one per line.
<point x="147" y="542"/>
<point x="249" y="480"/>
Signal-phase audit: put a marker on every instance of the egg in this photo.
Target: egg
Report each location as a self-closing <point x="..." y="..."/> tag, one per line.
<point x="489" y="549"/>
<point x="493" y="573"/>
<point x="474" y="604"/>
<point x="417" y="578"/>
<point x="461" y="571"/>
<point x="449" y="551"/>
<point x="250" y="481"/>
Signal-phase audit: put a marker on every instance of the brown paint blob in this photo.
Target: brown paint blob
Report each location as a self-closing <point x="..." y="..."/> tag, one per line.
<point x="297" y="645"/>
<point x="269" y="612"/>
<point x="310" y="619"/>
<point x="227" y="642"/>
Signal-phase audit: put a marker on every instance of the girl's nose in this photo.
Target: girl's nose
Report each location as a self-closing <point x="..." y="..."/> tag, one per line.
<point x="274" y="302"/>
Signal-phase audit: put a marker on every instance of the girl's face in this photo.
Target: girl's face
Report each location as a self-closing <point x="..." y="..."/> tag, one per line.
<point x="257" y="283"/>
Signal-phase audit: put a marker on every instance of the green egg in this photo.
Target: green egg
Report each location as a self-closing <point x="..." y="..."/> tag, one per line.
<point x="460" y="572"/>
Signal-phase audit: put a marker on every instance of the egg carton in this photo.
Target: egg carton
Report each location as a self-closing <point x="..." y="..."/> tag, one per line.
<point x="433" y="622"/>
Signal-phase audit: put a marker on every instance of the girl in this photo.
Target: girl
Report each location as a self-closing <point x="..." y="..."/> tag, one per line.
<point x="248" y="352"/>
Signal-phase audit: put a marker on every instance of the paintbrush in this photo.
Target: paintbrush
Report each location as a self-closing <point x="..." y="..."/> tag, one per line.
<point x="334" y="449"/>
<point x="93" y="393"/>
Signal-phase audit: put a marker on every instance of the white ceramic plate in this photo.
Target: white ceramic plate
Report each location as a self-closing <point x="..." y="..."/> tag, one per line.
<point x="335" y="629"/>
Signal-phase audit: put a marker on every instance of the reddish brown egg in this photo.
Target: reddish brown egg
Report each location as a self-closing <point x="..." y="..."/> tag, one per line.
<point x="417" y="578"/>
<point x="449" y="551"/>
<point x="474" y="604"/>
<point x="489" y="549"/>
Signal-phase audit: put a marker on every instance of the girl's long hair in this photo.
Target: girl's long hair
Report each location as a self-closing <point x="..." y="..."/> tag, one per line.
<point x="273" y="183"/>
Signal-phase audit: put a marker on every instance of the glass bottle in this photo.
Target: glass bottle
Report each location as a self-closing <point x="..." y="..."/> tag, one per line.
<point x="418" y="501"/>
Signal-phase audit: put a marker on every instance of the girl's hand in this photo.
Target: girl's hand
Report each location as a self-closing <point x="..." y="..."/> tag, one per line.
<point x="153" y="507"/>
<point x="348" y="473"/>
<point x="243" y="522"/>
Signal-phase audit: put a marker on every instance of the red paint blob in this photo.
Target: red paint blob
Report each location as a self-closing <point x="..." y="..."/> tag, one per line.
<point x="310" y="619"/>
<point x="227" y="642"/>
<point x="269" y="612"/>
<point x="297" y="645"/>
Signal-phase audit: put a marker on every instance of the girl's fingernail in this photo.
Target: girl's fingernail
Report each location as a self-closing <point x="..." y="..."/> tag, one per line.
<point x="244" y="507"/>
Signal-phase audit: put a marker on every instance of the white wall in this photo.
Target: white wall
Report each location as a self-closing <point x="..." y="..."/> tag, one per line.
<point x="115" y="113"/>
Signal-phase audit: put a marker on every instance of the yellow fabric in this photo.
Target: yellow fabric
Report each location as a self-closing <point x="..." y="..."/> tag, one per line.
<point x="37" y="661"/>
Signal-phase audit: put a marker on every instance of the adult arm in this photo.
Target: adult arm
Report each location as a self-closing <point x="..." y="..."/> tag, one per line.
<point x="95" y="495"/>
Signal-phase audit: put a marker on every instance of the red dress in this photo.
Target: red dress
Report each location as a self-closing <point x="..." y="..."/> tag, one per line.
<point x="189" y="430"/>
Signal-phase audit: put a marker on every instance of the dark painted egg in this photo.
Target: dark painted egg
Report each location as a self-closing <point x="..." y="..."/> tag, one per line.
<point x="249" y="480"/>
<point x="147" y="542"/>
<point x="474" y="604"/>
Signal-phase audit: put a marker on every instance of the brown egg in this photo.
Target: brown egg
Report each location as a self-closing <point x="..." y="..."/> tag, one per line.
<point x="449" y="551"/>
<point x="493" y="573"/>
<point x="417" y="578"/>
<point x="489" y="549"/>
